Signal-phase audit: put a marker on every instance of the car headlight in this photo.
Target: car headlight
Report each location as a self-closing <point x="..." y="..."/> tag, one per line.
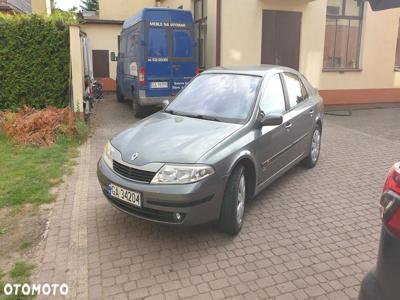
<point x="181" y="174"/>
<point x="108" y="154"/>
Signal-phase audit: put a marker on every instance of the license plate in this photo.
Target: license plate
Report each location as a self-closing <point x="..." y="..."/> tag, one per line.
<point x="122" y="194"/>
<point x="159" y="85"/>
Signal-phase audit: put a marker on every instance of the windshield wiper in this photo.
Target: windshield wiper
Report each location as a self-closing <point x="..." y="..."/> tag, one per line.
<point x="173" y="112"/>
<point x="204" y="117"/>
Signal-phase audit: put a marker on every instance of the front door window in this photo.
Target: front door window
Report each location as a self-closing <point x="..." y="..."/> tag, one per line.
<point x="273" y="98"/>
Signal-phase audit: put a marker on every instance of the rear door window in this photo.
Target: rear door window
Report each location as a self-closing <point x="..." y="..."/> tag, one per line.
<point x="296" y="91"/>
<point x="157" y="44"/>
<point x="182" y="44"/>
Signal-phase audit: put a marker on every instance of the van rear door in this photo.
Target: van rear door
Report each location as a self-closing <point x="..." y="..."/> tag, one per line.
<point x="183" y="62"/>
<point x="170" y="61"/>
<point x="157" y="65"/>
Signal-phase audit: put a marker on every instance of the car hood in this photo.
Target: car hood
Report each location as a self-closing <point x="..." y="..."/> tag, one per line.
<point x="164" y="137"/>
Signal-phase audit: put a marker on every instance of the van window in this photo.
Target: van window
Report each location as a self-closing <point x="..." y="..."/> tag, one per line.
<point x="182" y="43"/>
<point x="157" y="43"/>
<point x="131" y="44"/>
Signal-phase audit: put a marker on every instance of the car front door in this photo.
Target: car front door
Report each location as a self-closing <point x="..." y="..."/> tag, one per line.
<point x="272" y="141"/>
<point x="301" y="115"/>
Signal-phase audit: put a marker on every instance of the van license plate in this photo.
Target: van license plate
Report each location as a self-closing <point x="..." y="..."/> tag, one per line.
<point x="122" y="194"/>
<point x="159" y="85"/>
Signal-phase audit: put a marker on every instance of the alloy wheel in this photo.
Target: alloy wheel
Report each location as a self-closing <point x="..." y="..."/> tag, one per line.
<point x="315" y="145"/>
<point x="241" y="197"/>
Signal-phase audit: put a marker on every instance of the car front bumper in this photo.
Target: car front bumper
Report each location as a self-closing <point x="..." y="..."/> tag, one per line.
<point x="197" y="202"/>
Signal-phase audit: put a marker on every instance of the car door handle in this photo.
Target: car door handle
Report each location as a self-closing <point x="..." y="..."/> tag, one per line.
<point x="311" y="111"/>
<point x="288" y="125"/>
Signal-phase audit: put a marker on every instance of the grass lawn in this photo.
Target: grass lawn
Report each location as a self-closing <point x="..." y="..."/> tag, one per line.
<point x="28" y="173"/>
<point x="20" y="273"/>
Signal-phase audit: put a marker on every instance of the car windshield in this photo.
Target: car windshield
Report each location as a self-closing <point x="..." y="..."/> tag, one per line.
<point x="218" y="97"/>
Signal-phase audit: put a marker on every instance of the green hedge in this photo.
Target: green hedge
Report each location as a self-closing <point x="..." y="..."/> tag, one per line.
<point x="34" y="60"/>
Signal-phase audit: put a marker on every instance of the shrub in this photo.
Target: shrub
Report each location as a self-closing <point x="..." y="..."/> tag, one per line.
<point x="2" y="118"/>
<point x="34" y="60"/>
<point x="34" y="127"/>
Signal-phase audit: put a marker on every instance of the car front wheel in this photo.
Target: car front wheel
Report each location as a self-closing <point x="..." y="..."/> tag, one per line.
<point x="232" y="211"/>
<point x="311" y="160"/>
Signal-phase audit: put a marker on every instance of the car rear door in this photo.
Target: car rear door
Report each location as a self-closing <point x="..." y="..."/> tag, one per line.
<point x="273" y="142"/>
<point x="301" y="115"/>
<point x="183" y="66"/>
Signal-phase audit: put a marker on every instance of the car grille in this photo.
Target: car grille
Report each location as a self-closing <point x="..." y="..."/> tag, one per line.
<point x="144" y="212"/>
<point x="132" y="173"/>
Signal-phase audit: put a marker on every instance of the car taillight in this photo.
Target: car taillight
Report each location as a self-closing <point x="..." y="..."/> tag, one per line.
<point x="390" y="201"/>
<point x="197" y="71"/>
<point x="141" y="75"/>
<point x="393" y="179"/>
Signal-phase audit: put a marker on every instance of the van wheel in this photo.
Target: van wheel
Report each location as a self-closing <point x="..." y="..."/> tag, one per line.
<point x="311" y="160"/>
<point x="232" y="211"/>
<point x="138" y="110"/>
<point x="120" y="97"/>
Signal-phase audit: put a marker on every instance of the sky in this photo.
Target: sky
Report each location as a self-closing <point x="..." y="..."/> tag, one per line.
<point x="67" y="4"/>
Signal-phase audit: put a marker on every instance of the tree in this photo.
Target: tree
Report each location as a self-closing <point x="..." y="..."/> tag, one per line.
<point x="90" y="5"/>
<point x="53" y="5"/>
<point x="73" y="9"/>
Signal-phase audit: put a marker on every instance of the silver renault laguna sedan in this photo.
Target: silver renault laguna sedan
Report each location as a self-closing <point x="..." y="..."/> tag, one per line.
<point x="222" y="140"/>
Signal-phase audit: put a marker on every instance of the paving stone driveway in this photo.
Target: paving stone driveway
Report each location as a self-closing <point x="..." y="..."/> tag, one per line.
<point x="311" y="235"/>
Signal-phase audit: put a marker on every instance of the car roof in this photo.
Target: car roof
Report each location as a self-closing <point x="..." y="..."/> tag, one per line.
<point x="257" y="70"/>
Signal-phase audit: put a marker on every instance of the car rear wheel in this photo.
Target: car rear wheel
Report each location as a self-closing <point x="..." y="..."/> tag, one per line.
<point x="232" y="211"/>
<point x="311" y="160"/>
<point x="120" y="97"/>
<point x="138" y="110"/>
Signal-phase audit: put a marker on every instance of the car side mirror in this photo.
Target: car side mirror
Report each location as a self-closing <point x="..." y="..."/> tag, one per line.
<point x="273" y="119"/>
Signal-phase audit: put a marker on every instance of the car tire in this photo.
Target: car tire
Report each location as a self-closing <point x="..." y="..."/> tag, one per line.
<point x="233" y="204"/>
<point x="138" y="110"/>
<point x="314" y="150"/>
<point x="120" y="97"/>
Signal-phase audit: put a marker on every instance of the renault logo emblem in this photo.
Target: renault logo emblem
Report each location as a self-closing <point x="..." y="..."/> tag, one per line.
<point x="134" y="156"/>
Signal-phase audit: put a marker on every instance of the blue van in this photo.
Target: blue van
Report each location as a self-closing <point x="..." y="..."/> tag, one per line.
<point x="157" y="57"/>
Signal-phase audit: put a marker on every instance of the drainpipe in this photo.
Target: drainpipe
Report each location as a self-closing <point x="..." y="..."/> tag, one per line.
<point x="218" y="37"/>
